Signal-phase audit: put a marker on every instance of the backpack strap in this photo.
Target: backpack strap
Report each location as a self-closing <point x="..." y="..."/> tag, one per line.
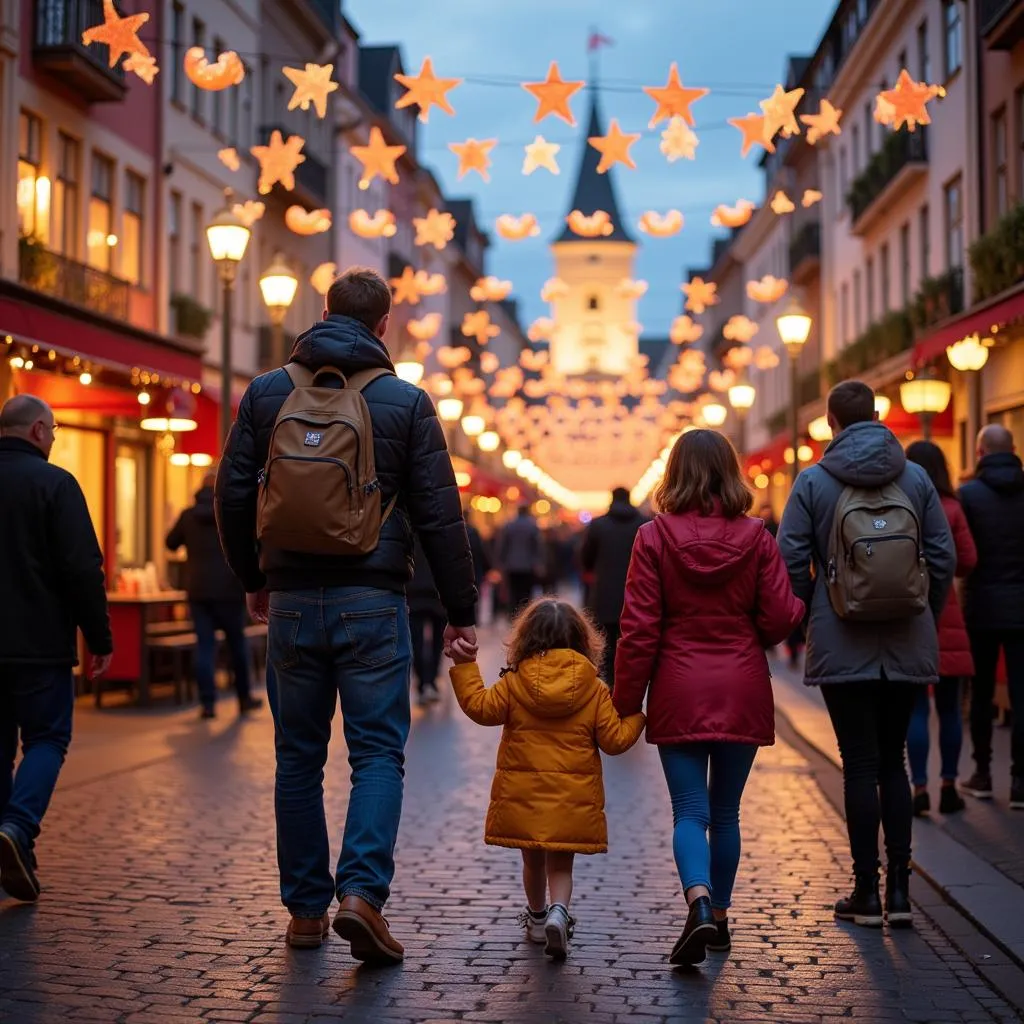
<point x="362" y="379"/>
<point x="300" y="376"/>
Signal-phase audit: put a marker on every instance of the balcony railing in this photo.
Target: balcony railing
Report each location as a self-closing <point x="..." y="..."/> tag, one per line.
<point x="1001" y="22"/>
<point x="74" y="282"/>
<point x="58" y="48"/>
<point x="805" y="248"/>
<point x="310" y="175"/>
<point x="900" y="151"/>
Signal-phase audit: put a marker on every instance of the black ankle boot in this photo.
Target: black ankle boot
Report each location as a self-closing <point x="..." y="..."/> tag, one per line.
<point x="897" y="897"/>
<point x="691" y="949"/>
<point x="863" y="906"/>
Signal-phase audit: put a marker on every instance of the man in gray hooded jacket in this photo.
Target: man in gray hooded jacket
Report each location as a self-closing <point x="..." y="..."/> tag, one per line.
<point x="868" y="671"/>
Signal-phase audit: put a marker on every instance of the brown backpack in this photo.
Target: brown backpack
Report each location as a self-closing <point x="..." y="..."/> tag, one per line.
<point x="319" y="491"/>
<point x="876" y="568"/>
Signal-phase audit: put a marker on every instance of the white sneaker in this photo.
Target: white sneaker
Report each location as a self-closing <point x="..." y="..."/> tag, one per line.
<point x="558" y="929"/>
<point x="534" y="924"/>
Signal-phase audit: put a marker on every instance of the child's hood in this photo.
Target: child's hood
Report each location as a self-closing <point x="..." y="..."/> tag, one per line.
<point x="554" y="684"/>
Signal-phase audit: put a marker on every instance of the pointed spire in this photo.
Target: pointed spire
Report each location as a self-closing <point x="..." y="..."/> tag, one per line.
<point x="595" y="191"/>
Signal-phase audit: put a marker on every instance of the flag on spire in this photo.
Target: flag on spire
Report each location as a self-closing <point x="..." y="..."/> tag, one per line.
<point x="596" y="40"/>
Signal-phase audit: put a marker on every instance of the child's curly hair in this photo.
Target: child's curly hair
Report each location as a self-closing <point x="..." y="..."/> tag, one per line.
<point x="548" y="624"/>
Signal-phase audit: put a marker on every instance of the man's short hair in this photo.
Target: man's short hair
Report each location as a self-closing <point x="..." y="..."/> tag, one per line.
<point x="21" y="411"/>
<point x="362" y="294"/>
<point x="620" y="494"/>
<point x="851" y="401"/>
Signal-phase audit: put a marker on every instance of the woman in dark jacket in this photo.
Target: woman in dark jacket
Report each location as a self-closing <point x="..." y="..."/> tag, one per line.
<point x="955" y="661"/>
<point x="707" y="592"/>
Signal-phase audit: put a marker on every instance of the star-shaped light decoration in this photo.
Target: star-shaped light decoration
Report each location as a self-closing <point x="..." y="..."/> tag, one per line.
<point x="144" y="65"/>
<point x="825" y="122"/>
<point x="541" y="329"/>
<point x="490" y="289"/>
<point x="630" y="289"/>
<point x="478" y="325"/>
<point x="431" y="284"/>
<point x="515" y="229"/>
<point x="781" y="204"/>
<point x="554" y="288"/>
<point x="541" y="153"/>
<point x="229" y="158"/>
<point x="323" y="277"/>
<point x="906" y="103"/>
<point x="754" y="133"/>
<point x="278" y="160"/>
<point x="406" y="288"/>
<point x="436" y="229"/>
<point x="249" y="212"/>
<point x="450" y="357"/>
<point x="120" y="34"/>
<point x="733" y="216"/>
<point x="810" y="197"/>
<point x="553" y="95"/>
<point x="377" y="158"/>
<point x="768" y="290"/>
<point x="303" y="222"/>
<point x="312" y="87"/>
<point x="426" y="90"/>
<point x="740" y="328"/>
<point x="673" y="99"/>
<point x="489" y="362"/>
<point x="474" y="155"/>
<point x="426" y="327"/>
<point x="661" y="225"/>
<point x="595" y="225"/>
<point x="614" y="147"/>
<point x="380" y="225"/>
<point x="766" y="358"/>
<point x="679" y="141"/>
<point x="742" y="355"/>
<point x="227" y="70"/>
<point x="699" y="294"/>
<point x="780" y="113"/>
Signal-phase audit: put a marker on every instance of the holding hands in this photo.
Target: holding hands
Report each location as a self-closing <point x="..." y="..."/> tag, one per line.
<point x="460" y="644"/>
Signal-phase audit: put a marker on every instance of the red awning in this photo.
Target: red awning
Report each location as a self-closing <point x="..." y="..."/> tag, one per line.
<point x="62" y="392"/>
<point x="205" y="439"/>
<point x="773" y="455"/>
<point x="905" y="424"/>
<point x="980" y="320"/>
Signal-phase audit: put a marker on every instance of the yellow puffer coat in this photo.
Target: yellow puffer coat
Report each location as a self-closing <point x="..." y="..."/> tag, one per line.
<point x="548" y="791"/>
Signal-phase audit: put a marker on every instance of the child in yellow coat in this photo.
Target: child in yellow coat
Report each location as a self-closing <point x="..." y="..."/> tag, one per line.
<point x="547" y="798"/>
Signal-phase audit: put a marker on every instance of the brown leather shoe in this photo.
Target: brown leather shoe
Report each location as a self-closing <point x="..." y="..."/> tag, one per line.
<point x="308" y="932"/>
<point x="360" y="924"/>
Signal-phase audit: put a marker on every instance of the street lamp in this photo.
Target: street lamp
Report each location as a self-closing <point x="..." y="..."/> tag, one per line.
<point x="714" y="414"/>
<point x="278" y="285"/>
<point x="925" y="396"/>
<point x="511" y="458"/>
<point x="228" y="239"/>
<point x="969" y="355"/>
<point x="741" y="398"/>
<point x="794" y="326"/>
<point x="409" y="370"/>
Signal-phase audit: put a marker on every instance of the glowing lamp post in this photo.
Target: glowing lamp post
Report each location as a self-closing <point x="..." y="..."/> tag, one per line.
<point x="925" y="396"/>
<point x="741" y="398"/>
<point x="794" y="326"/>
<point x="714" y="414"/>
<point x="278" y="286"/>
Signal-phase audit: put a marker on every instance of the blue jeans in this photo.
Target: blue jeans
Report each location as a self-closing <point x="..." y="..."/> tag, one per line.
<point x="353" y="642"/>
<point x="207" y="618"/>
<point x="951" y="731"/>
<point x="700" y="806"/>
<point x="36" y="701"/>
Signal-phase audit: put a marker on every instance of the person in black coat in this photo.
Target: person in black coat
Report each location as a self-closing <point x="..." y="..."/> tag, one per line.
<point x="993" y="503"/>
<point x="216" y="599"/>
<point x="427" y="621"/>
<point x="51" y="586"/>
<point x="605" y="553"/>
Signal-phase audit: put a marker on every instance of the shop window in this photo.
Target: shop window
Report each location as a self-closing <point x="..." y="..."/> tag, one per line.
<point x="954" y="209"/>
<point x="65" y="197"/>
<point x="132" y="233"/>
<point x="953" y="26"/>
<point x="33" y="186"/>
<point x="1000" y="169"/>
<point x="131" y="499"/>
<point x="100" y="238"/>
<point x="81" y="453"/>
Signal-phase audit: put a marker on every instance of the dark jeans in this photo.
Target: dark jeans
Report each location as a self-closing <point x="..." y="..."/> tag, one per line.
<point x="36" y="701"/>
<point x="520" y="590"/>
<point x="207" y="618"/>
<point x="352" y="642"/>
<point x="871" y="722"/>
<point x="426" y="656"/>
<point x="611" y="643"/>
<point x="985" y="646"/>
<point x="951" y="731"/>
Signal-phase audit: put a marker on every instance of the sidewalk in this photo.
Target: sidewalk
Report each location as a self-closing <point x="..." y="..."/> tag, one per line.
<point x="975" y="859"/>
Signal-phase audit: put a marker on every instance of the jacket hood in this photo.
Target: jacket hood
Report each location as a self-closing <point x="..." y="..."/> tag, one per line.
<point x="555" y="684"/>
<point x="623" y="511"/>
<point x="709" y="549"/>
<point x="342" y="342"/>
<point x="865" y="455"/>
<point x="204" y="505"/>
<point x="1002" y="471"/>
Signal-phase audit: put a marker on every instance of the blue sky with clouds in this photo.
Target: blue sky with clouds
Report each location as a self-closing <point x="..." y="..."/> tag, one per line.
<point x="737" y="48"/>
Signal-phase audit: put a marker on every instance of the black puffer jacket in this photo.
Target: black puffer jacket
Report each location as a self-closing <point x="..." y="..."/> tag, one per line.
<point x="606" y="552"/>
<point x="207" y="576"/>
<point x="994" y="505"/>
<point x="411" y="459"/>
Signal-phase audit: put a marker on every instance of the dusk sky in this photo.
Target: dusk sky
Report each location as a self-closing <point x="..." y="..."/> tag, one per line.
<point x="737" y="48"/>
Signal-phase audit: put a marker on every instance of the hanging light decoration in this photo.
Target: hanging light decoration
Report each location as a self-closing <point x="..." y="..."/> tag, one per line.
<point x="968" y="354"/>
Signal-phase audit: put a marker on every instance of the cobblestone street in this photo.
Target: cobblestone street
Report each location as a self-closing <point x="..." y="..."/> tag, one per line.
<point x="161" y="904"/>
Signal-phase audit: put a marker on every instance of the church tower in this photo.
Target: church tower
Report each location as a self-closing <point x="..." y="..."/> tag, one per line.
<point x="593" y="315"/>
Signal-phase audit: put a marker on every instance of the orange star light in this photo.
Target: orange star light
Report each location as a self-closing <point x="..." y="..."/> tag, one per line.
<point x="312" y="87"/>
<point x="906" y="104"/>
<point x="249" y="212"/>
<point x="120" y="34"/>
<point x="144" y="65"/>
<point x="278" y="160"/>
<point x="541" y="153"/>
<point x="825" y="122"/>
<point x="377" y="158"/>
<point x="436" y="229"/>
<point x="673" y="99"/>
<point x="753" y="128"/>
<point x="426" y="90"/>
<point x="473" y="155"/>
<point x="614" y="147"/>
<point x="553" y="95"/>
<point x="781" y="204"/>
<point x="810" y="197"/>
<point x="478" y="325"/>
<point x="406" y="287"/>
<point x="780" y="113"/>
<point x="229" y="158"/>
<point x="700" y="294"/>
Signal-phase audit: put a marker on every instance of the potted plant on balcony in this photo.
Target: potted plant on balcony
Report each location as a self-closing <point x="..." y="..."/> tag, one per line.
<point x="192" y="320"/>
<point x="32" y="260"/>
<point x="997" y="258"/>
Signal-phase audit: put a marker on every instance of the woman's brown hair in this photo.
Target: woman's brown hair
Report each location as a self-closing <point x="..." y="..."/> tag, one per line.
<point x="548" y="624"/>
<point x="703" y="467"/>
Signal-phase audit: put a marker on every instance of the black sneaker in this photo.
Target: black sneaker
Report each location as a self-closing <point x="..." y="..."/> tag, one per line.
<point x="898" y="912"/>
<point x="922" y="803"/>
<point x="863" y="906"/>
<point x="979" y="785"/>
<point x="1017" y="793"/>
<point x="700" y="929"/>
<point x="950" y="801"/>
<point x="17" y="867"/>
<point x="248" y="704"/>
<point x="722" y="942"/>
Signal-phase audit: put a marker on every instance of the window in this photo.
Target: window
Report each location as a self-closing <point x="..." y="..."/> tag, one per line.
<point x="901" y="63"/>
<point x="953" y="27"/>
<point x="869" y="122"/>
<point x="217" y="98"/>
<point x="65" y="197"/>
<point x="131" y="228"/>
<point x="926" y="242"/>
<point x="177" y="51"/>
<point x="234" y="115"/>
<point x="869" y="288"/>
<point x="856" y="151"/>
<point x="33" y="186"/>
<point x="198" y="39"/>
<point x="174" y="244"/>
<point x="1001" y="185"/>
<point x="905" y="263"/>
<point x="100" y="238"/>
<point x="883" y="270"/>
<point x="856" y="303"/>
<point x="844" y="314"/>
<point x="195" y="253"/>
<point x="844" y="178"/>
<point x="924" y="60"/>
<point x="862" y="12"/>
<point x="593" y="302"/>
<point x="954" y="223"/>
<point x="131" y="504"/>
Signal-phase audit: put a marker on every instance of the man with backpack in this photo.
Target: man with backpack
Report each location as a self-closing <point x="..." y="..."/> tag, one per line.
<point x="332" y="467"/>
<point x="869" y="552"/>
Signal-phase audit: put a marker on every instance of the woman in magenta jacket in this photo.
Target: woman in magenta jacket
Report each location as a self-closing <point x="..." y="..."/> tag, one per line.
<point x="707" y="593"/>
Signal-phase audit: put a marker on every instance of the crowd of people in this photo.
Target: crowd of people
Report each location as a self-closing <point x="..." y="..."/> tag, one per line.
<point x="335" y="518"/>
